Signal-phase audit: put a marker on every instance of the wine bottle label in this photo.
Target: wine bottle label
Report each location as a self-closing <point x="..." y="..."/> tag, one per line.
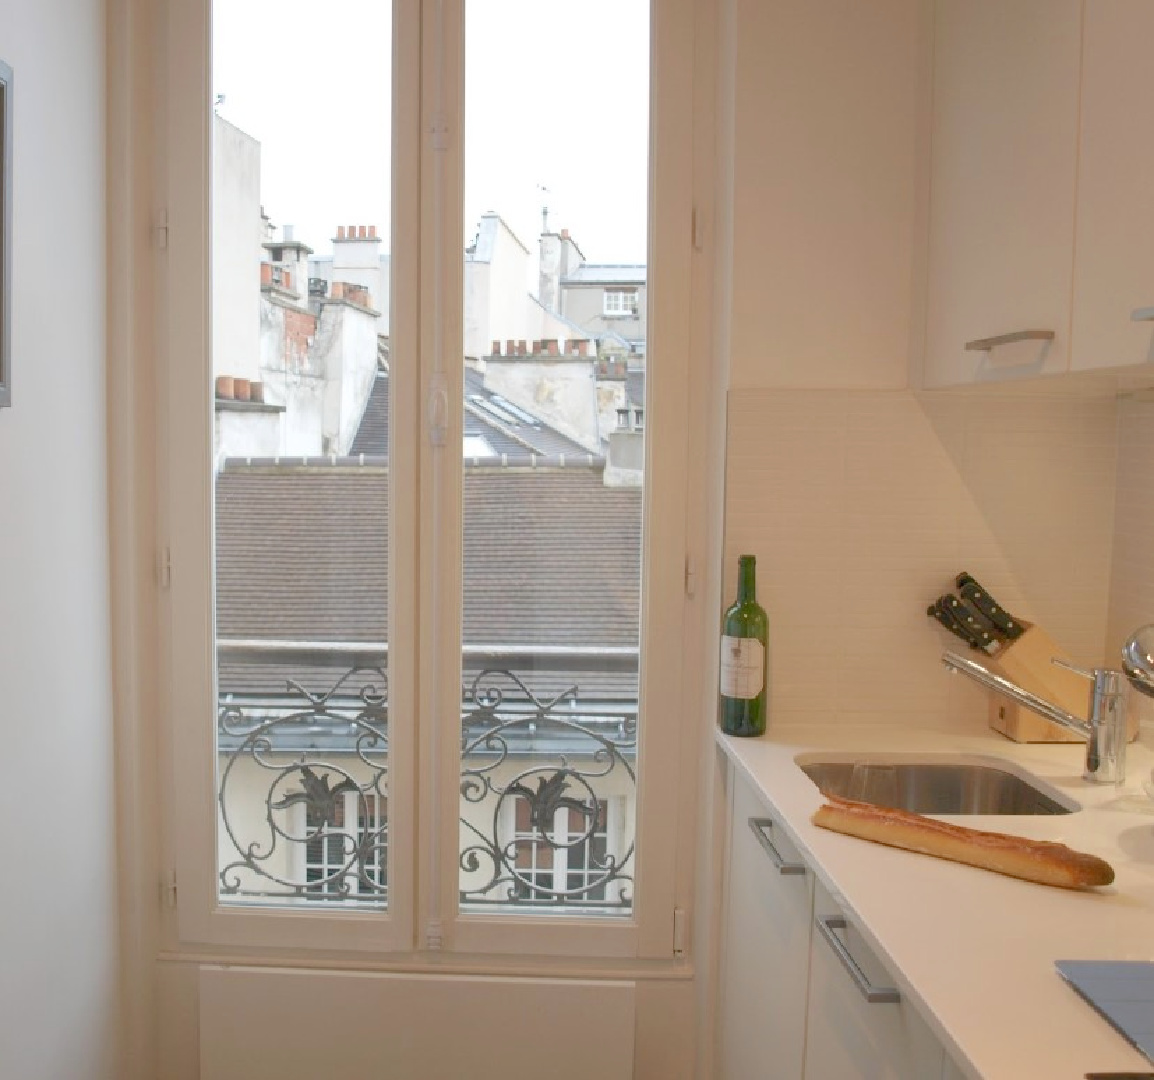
<point x="742" y="667"/>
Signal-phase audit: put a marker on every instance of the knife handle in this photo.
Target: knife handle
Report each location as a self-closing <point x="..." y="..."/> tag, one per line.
<point x="998" y="617"/>
<point x="966" y="619"/>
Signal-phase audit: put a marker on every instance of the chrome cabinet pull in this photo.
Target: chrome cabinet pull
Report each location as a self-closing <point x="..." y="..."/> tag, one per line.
<point x="759" y="825"/>
<point x="875" y="995"/>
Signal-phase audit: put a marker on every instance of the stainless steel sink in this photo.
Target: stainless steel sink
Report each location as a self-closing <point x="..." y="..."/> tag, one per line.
<point x="929" y="786"/>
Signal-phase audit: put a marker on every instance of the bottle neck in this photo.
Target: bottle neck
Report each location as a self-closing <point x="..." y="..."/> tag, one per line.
<point x="746" y="579"/>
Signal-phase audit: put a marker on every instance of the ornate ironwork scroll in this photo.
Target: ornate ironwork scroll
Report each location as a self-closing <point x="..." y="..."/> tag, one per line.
<point x="563" y="770"/>
<point x="303" y="793"/>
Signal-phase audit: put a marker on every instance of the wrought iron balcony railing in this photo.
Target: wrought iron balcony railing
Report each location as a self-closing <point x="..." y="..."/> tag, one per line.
<point x="547" y="788"/>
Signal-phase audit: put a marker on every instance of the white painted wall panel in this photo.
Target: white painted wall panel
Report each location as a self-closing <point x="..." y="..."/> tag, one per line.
<point x="58" y="915"/>
<point x="298" y="1025"/>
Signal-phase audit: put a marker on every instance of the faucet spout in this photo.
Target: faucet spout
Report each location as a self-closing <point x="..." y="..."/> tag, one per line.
<point x="1104" y="732"/>
<point x="1012" y="690"/>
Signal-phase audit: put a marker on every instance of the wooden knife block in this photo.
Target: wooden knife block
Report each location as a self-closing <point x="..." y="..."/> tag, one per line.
<point x="1027" y="662"/>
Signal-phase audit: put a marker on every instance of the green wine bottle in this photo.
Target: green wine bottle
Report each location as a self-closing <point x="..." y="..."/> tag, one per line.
<point x="744" y="633"/>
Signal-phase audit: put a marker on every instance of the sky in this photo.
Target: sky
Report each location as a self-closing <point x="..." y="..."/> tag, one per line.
<point x="556" y="114"/>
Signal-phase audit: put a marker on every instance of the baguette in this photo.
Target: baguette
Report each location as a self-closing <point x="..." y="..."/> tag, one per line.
<point x="1033" y="860"/>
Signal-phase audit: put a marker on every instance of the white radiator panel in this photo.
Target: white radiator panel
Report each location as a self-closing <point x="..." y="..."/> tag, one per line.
<point x="266" y="1024"/>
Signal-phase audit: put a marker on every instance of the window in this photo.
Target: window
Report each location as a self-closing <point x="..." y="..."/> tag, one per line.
<point x="386" y="647"/>
<point x="342" y="862"/>
<point x="621" y="302"/>
<point x="562" y="853"/>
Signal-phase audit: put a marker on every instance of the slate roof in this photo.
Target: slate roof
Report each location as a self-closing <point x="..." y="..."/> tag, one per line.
<point x="607" y="274"/>
<point x="507" y="429"/>
<point x="551" y="556"/>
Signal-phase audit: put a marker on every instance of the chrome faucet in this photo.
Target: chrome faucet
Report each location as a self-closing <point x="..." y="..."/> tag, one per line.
<point x="1104" y="731"/>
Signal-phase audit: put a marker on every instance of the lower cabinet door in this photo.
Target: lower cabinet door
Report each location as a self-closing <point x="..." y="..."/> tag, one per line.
<point x="854" y="1029"/>
<point x="765" y="951"/>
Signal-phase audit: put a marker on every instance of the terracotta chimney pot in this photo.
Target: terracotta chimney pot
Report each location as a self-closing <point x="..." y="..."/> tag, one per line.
<point x="242" y="389"/>
<point x="224" y="387"/>
<point x="340" y="232"/>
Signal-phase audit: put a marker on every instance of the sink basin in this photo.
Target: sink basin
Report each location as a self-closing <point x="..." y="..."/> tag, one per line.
<point x="928" y="785"/>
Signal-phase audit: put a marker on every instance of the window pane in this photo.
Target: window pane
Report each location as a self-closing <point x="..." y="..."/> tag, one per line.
<point x="300" y="142"/>
<point x="554" y="383"/>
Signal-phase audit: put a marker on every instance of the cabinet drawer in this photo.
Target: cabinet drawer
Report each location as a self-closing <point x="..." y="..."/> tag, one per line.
<point x="859" y="1024"/>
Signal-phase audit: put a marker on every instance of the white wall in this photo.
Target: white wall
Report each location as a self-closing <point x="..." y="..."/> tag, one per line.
<point x="825" y="191"/>
<point x="58" y="977"/>
<point x="236" y="252"/>
<point x="862" y="506"/>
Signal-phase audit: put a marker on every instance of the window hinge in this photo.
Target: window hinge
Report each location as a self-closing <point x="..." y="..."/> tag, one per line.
<point x="439" y="133"/>
<point x="160" y="230"/>
<point x="164" y="567"/>
<point x="690" y="576"/>
<point x="168" y="890"/>
<point x="698" y="230"/>
<point x="680" y="931"/>
<point x="433" y="934"/>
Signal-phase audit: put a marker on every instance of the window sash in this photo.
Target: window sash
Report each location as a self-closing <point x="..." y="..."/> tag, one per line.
<point x="425" y="568"/>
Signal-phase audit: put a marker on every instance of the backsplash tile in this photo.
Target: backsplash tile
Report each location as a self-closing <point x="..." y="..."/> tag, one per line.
<point x="1132" y="570"/>
<point x="861" y="507"/>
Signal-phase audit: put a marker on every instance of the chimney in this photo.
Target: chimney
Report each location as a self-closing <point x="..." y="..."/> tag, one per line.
<point x="340" y="232"/>
<point x="496" y="349"/>
<point x="582" y="348"/>
<point x="362" y="232"/>
<point x="372" y="232"/>
<point x="510" y="347"/>
<point x="550" y="346"/>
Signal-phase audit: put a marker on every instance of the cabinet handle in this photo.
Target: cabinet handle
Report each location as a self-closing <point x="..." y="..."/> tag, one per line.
<point x="875" y="995"/>
<point x="987" y="343"/>
<point x="759" y="825"/>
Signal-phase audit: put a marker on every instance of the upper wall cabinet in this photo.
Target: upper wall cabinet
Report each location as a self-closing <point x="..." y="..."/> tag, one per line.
<point x="1003" y="181"/>
<point x="1041" y="189"/>
<point x="1114" y="237"/>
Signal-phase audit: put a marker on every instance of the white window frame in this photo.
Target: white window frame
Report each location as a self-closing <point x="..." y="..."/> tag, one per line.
<point x="625" y="304"/>
<point x="425" y="497"/>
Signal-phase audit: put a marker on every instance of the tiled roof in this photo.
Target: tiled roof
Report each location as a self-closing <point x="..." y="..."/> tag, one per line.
<point x="551" y="556"/>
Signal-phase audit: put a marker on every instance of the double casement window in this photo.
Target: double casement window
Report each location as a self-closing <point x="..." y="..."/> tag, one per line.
<point x="424" y="625"/>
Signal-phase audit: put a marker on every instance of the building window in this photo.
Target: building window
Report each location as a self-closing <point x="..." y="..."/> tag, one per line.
<point x="621" y="302"/>
<point x="565" y="857"/>
<point x="346" y="846"/>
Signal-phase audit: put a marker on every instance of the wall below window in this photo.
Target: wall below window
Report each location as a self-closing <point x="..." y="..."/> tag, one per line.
<point x="58" y="914"/>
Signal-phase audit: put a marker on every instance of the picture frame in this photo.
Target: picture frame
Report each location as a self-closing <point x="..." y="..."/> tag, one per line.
<point x="5" y="234"/>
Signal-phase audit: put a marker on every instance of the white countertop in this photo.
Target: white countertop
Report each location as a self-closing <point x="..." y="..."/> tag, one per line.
<point x="973" y="949"/>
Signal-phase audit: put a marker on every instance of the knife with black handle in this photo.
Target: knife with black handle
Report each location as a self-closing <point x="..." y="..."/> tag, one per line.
<point x="1003" y="623"/>
<point x="969" y="621"/>
<point x="938" y="610"/>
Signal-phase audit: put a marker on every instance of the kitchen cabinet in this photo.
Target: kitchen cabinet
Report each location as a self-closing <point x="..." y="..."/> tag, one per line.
<point x="1114" y="248"/>
<point x="1003" y="183"/>
<point x="788" y="1009"/>
<point x="765" y="949"/>
<point x="847" y="1033"/>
